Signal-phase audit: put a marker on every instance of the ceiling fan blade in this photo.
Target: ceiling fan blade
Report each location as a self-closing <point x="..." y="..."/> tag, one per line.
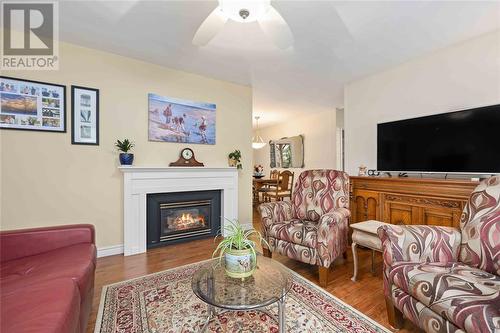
<point x="210" y="27"/>
<point x="276" y="28"/>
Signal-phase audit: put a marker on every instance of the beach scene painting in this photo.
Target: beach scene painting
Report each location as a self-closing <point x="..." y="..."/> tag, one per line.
<point x="175" y="120"/>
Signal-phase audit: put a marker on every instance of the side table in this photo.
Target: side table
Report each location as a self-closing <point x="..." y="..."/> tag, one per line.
<point x="365" y="234"/>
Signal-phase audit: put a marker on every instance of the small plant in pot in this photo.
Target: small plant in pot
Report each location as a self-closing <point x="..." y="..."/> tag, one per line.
<point x="234" y="159"/>
<point x="124" y="147"/>
<point x="238" y="250"/>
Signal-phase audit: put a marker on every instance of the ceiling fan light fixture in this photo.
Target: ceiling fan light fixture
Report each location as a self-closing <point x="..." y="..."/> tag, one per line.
<point x="244" y="11"/>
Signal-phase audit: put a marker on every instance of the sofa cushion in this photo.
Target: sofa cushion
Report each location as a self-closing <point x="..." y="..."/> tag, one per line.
<point x="296" y="231"/>
<point x="480" y="227"/>
<point x="76" y="262"/>
<point x="46" y="307"/>
<point x="464" y="295"/>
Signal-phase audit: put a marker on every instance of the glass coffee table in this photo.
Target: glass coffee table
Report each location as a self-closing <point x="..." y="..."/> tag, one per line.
<point x="268" y="285"/>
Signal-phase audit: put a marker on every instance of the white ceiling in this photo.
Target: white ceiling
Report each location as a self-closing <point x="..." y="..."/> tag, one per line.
<point x="335" y="42"/>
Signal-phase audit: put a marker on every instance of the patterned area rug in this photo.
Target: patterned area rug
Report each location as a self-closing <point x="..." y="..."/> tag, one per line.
<point x="164" y="302"/>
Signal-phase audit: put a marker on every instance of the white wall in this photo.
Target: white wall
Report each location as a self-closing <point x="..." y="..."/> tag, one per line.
<point x="48" y="181"/>
<point x="318" y="130"/>
<point x="465" y="75"/>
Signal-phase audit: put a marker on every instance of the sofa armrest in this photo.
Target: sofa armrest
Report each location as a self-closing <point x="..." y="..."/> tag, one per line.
<point x="332" y="235"/>
<point x="21" y="243"/>
<point x="419" y="243"/>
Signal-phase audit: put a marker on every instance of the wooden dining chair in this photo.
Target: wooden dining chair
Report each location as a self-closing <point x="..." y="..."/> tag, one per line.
<point x="273" y="174"/>
<point x="283" y="188"/>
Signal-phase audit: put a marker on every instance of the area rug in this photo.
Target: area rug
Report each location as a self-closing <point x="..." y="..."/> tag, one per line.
<point x="164" y="303"/>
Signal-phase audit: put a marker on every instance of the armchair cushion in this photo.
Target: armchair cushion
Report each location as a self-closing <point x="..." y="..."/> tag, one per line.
<point x="463" y="295"/>
<point x="298" y="252"/>
<point x="296" y="231"/>
<point x="418" y="313"/>
<point x="482" y="250"/>
<point x="480" y="225"/>
<point x="318" y="192"/>
<point x="419" y="243"/>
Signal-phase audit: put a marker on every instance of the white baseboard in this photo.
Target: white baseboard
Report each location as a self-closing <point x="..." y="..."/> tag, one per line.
<point x="106" y="251"/>
<point x="113" y="250"/>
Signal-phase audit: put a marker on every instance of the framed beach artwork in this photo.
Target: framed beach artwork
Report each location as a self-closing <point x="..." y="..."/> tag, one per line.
<point x="175" y="120"/>
<point x="85" y="116"/>
<point x="32" y="105"/>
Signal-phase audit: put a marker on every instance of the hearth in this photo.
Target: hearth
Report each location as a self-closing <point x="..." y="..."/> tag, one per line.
<point x="182" y="216"/>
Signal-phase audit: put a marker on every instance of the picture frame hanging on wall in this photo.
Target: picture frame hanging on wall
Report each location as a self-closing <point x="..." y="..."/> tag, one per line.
<point x="32" y="105"/>
<point x="84" y="115"/>
<point x="181" y="121"/>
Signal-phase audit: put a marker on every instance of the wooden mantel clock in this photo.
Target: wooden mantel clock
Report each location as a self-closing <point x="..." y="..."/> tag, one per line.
<point x="186" y="159"/>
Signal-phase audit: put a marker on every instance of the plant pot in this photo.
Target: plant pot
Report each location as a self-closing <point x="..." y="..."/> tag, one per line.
<point x="239" y="263"/>
<point x="126" y="159"/>
<point x="232" y="162"/>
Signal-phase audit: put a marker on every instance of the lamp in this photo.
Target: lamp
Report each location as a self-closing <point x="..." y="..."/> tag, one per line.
<point x="257" y="141"/>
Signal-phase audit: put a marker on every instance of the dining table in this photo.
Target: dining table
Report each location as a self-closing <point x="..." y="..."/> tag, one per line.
<point x="259" y="183"/>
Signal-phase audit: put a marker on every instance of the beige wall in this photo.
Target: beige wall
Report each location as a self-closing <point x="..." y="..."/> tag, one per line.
<point x="465" y="75"/>
<point x="47" y="181"/>
<point x="318" y="130"/>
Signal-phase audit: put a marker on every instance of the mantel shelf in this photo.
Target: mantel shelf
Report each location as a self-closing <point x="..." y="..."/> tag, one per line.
<point x="173" y="169"/>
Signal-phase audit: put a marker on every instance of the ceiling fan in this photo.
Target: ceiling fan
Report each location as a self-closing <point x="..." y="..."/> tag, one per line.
<point x="245" y="11"/>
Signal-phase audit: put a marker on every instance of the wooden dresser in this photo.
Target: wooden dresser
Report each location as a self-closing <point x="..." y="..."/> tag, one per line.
<point x="409" y="200"/>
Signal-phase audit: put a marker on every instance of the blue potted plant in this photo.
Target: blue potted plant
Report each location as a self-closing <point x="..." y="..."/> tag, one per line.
<point x="124" y="147"/>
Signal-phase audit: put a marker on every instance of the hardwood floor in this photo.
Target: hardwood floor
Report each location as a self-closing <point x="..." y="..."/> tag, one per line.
<point x="366" y="294"/>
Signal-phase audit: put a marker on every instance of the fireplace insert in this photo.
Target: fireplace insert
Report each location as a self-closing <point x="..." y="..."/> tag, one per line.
<point x="182" y="216"/>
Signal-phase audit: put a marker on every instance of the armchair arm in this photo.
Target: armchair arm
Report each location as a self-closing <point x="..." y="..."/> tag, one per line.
<point x="332" y="235"/>
<point x="274" y="212"/>
<point x="419" y="243"/>
<point x="16" y="244"/>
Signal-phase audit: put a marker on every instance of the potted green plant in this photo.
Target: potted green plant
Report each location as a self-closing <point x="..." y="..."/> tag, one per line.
<point x="238" y="250"/>
<point x="124" y="147"/>
<point x="234" y="159"/>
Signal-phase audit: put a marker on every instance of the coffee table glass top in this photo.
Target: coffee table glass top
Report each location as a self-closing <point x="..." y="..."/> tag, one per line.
<point x="269" y="283"/>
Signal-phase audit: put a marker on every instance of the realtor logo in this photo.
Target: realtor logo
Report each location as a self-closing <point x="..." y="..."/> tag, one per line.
<point x="30" y="36"/>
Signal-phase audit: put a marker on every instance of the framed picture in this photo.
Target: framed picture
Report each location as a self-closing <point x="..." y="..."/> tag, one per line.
<point x="175" y="120"/>
<point x="85" y="116"/>
<point x="32" y="105"/>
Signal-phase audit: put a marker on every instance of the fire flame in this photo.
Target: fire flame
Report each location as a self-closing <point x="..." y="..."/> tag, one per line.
<point x="187" y="221"/>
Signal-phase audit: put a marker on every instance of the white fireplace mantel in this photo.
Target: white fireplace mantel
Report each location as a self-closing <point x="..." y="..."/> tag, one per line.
<point x="140" y="181"/>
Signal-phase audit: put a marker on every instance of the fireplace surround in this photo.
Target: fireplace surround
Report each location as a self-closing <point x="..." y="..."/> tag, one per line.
<point x="182" y="216"/>
<point x="139" y="181"/>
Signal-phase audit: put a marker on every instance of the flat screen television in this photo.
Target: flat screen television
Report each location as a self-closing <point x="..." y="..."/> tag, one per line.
<point x="466" y="141"/>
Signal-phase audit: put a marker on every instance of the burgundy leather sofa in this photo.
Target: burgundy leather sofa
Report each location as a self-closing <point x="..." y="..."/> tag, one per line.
<point x="47" y="279"/>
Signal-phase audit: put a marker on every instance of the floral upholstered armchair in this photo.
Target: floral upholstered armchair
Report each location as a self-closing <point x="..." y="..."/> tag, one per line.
<point x="444" y="279"/>
<point x="313" y="226"/>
